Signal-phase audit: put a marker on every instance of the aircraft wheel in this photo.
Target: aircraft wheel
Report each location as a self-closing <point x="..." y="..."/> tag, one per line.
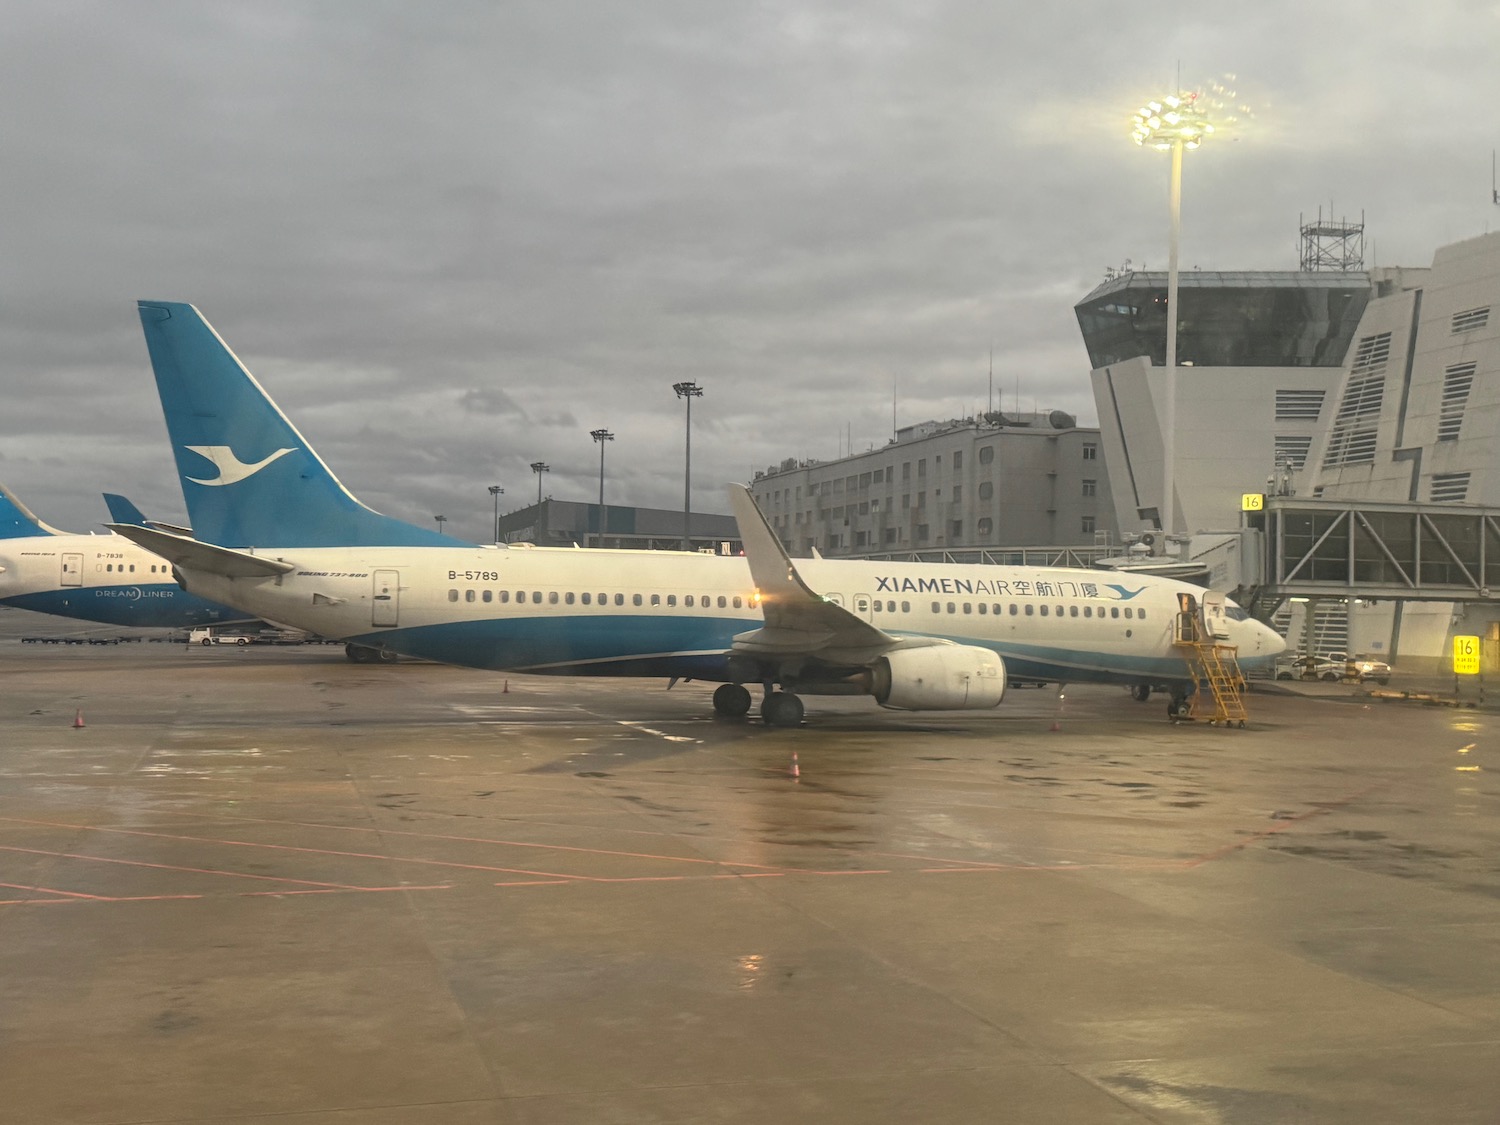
<point x="1176" y="707"/>
<point x="1140" y="692"/>
<point x="359" y="654"/>
<point x="387" y="656"/>
<point x="731" y="700"/>
<point x="782" y="709"/>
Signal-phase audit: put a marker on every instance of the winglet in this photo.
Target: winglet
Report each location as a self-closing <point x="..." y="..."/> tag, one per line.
<point x="122" y="510"/>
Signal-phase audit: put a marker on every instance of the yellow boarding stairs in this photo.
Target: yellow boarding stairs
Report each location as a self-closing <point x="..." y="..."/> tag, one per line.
<point x="1214" y="669"/>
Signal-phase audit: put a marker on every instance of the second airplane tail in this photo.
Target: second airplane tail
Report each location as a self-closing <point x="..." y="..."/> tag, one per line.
<point x="17" y="521"/>
<point x="248" y="477"/>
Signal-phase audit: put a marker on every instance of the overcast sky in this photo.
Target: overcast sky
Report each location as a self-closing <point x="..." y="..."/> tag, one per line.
<point x="452" y="238"/>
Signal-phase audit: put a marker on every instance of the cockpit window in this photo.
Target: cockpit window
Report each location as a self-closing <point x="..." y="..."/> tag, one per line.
<point x="1235" y="613"/>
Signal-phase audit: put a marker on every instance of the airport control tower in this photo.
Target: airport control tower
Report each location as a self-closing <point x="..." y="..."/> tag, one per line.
<point x="1260" y="354"/>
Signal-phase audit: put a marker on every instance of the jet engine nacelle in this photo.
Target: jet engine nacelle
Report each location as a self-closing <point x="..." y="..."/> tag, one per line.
<point x="939" y="678"/>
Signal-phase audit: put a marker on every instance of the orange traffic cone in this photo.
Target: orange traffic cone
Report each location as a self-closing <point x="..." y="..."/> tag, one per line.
<point x="78" y="720"/>
<point x="796" y="769"/>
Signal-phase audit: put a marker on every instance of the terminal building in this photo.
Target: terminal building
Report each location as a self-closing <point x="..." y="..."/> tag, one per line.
<point x="969" y="484"/>
<point x="1346" y="384"/>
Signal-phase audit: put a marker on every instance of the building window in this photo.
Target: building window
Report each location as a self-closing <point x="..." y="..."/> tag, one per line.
<point x="1090" y="451"/>
<point x="958" y="493"/>
<point x="1352" y="440"/>
<point x="890" y="535"/>
<point x="921" y="533"/>
<point x="986" y="527"/>
<point x="986" y="489"/>
<point x="1292" y="450"/>
<point x="958" y="459"/>
<point x="957" y="531"/>
<point x="1090" y="487"/>
<point x="1456" y="383"/>
<point x="922" y="467"/>
<point x="1292" y="406"/>
<point x="1088" y="525"/>
<point x="1470" y="319"/>
<point x="905" y="500"/>
<point x="906" y="470"/>
<point x="1450" y="488"/>
<point x="986" y="454"/>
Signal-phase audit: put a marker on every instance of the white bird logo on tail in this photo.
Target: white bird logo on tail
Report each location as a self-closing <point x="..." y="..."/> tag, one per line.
<point x="231" y="469"/>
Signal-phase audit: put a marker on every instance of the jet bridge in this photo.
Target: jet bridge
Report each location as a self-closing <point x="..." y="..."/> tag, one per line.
<point x="1373" y="550"/>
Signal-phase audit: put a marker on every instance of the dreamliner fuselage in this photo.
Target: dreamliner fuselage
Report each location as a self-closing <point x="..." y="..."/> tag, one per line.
<point x="666" y="613"/>
<point x="102" y="578"/>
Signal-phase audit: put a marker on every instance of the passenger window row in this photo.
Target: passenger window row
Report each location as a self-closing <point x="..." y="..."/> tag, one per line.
<point x="570" y="597"/>
<point x="112" y="568"/>
<point x="1014" y="609"/>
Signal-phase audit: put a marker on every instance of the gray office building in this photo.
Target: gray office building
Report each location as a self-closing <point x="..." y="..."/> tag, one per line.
<point x="998" y="480"/>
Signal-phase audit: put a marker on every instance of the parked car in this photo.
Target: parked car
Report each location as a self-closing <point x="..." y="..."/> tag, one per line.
<point x="1359" y="668"/>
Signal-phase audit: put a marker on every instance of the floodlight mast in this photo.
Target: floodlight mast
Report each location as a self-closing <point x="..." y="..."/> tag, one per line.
<point x="1176" y="122"/>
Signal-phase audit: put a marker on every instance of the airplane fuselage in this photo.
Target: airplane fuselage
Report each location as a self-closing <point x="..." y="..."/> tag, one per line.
<point x="102" y="578"/>
<point x="599" y="612"/>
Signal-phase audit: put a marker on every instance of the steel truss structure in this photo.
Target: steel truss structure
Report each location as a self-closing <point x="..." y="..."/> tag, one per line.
<point x="1365" y="549"/>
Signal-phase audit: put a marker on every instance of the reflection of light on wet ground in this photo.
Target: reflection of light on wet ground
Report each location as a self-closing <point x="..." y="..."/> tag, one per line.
<point x="750" y="965"/>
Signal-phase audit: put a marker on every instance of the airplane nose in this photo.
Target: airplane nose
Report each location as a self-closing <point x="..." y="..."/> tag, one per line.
<point x="1271" y="642"/>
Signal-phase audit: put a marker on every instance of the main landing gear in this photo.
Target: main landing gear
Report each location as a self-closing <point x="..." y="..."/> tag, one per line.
<point x="1177" y="706"/>
<point x="364" y="654"/>
<point x="777" y="709"/>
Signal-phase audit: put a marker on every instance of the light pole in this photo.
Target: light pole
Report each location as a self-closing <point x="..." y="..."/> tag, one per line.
<point x="539" y="467"/>
<point x="496" y="491"/>
<point x="1176" y="122"/>
<point x="689" y="391"/>
<point x="601" y="436"/>
<point x="440" y="521"/>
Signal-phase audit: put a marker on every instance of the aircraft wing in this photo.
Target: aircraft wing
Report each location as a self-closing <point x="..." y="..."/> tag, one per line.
<point x="195" y="555"/>
<point x="798" y="620"/>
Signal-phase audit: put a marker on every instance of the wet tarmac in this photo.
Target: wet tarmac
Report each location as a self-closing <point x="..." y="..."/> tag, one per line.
<point x="266" y="885"/>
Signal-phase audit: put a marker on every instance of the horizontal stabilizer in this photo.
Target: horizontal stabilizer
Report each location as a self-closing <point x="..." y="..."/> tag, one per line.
<point x="194" y="555"/>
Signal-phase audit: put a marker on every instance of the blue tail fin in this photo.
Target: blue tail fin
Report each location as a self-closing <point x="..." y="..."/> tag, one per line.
<point x="249" y="478"/>
<point x="122" y="510"/>
<point x="17" y="520"/>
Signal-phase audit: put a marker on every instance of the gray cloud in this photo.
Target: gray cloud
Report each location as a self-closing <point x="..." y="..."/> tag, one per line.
<point x="451" y="240"/>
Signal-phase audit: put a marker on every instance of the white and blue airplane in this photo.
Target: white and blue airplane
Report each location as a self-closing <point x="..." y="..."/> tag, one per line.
<point x="276" y="535"/>
<point x="107" y="579"/>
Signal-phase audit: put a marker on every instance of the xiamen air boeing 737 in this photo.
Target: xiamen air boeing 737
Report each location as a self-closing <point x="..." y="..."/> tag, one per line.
<point x="277" y="535"/>
<point x="102" y="578"/>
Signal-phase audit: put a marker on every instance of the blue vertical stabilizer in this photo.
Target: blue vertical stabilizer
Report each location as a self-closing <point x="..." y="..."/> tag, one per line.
<point x="248" y="477"/>
<point x="17" y="520"/>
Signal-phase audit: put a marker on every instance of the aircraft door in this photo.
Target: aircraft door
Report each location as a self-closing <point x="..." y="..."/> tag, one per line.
<point x="385" y="600"/>
<point x="1215" y="620"/>
<point x="72" y="570"/>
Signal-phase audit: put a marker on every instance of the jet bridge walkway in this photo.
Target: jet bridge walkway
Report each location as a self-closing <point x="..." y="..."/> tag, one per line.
<point x="1372" y="549"/>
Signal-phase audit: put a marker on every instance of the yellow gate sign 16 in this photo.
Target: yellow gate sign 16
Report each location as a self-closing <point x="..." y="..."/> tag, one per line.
<point x="1252" y="501"/>
<point x="1466" y="656"/>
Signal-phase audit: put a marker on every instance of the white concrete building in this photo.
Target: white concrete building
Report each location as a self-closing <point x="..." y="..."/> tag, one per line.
<point x="1259" y="354"/>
